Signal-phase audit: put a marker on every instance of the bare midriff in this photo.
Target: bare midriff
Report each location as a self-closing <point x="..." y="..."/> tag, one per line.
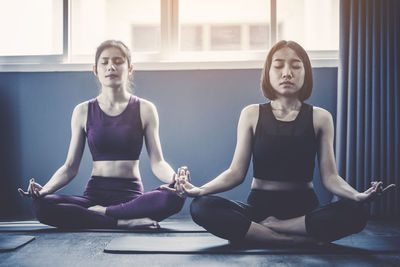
<point x="261" y="184"/>
<point x="117" y="169"/>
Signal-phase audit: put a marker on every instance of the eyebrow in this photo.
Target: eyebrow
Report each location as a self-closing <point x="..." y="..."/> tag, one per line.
<point x="112" y="57"/>
<point x="292" y="60"/>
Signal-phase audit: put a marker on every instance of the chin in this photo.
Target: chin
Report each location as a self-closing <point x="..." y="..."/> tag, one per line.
<point x="290" y="93"/>
<point x="113" y="84"/>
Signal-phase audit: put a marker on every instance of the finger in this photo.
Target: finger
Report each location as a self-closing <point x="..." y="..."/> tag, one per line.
<point x="185" y="190"/>
<point x="378" y="184"/>
<point x="369" y="190"/>
<point x="30" y="187"/>
<point x="185" y="170"/>
<point x="36" y="193"/>
<point x="23" y="193"/>
<point x="179" y="186"/>
<point x="388" y="188"/>
<point x="168" y="188"/>
<point x="379" y="188"/>
<point x="181" y="172"/>
<point x="35" y="187"/>
<point x="188" y="176"/>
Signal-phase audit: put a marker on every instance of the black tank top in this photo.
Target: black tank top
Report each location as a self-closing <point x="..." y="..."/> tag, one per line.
<point x="284" y="150"/>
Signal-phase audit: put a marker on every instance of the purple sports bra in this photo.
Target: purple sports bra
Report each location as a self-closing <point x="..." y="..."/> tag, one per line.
<point x="115" y="137"/>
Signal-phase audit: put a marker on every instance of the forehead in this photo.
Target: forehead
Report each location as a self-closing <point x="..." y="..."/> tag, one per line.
<point x="285" y="53"/>
<point x="112" y="52"/>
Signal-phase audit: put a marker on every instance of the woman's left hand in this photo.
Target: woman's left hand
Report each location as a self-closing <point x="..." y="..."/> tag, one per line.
<point x="376" y="190"/>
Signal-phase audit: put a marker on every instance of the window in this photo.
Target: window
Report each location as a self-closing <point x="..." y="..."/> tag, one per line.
<point x="308" y="24"/>
<point x="135" y="22"/>
<point x="223" y="25"/>
<point x="165" y="31"/>
<point x="31" y="27"/>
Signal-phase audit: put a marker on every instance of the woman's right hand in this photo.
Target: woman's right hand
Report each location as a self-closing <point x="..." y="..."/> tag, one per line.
<point x="34" y="190"/>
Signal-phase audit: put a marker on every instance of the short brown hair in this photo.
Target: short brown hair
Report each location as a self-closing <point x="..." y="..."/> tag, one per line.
<point x="266" y="86"/>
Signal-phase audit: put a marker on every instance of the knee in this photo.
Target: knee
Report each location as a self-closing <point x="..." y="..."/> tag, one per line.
<point x="337" y="220"/>
<point x="40" y="209"/>
<point x="358" y="217"/>
<point x="200" y="207"/>
<point x="173" y="202"/>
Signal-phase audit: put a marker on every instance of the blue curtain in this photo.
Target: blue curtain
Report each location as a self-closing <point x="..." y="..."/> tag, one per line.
<point x="368" y="115"/>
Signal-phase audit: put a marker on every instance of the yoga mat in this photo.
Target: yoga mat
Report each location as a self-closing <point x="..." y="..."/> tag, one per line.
<point x="23" y="226"/>
<point x="209" y="244"/>
<point x="10" y="242"/>
<point x="166" y="227"/>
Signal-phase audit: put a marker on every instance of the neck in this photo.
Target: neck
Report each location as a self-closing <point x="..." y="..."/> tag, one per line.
<point x="111" y="95"/>
<point x="285" y="103"/>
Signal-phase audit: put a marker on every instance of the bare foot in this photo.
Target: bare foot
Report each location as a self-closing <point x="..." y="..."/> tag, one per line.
<point x="138" y="223"/>
<point x="98" y="208"/>
<point x="269" y="221"/>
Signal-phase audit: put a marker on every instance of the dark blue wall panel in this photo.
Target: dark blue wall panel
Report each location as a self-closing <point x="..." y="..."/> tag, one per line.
<point x="198" y="113"/>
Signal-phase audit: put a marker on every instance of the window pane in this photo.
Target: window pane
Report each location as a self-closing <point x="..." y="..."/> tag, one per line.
<point x="135" y="22"/>
<point x="225" y="37"/>
<point x="312" y="23"/>
<point x="210" y="25"/>
<point x="31" y="27"/>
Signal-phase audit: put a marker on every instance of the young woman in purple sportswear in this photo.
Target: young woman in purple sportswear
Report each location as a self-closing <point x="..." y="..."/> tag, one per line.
<point x="114" y="124"/>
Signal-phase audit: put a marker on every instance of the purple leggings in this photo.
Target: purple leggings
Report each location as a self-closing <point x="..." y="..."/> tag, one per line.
<point x="124" y="199"/>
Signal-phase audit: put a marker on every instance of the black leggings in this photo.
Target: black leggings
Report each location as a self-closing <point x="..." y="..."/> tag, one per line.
<point x="231" y="219"/>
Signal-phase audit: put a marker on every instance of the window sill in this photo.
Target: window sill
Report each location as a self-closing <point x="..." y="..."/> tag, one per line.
<point x="160" y="65"/>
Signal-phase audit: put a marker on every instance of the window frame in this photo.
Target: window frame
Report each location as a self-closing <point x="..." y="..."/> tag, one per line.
<point x="168" y="58"/>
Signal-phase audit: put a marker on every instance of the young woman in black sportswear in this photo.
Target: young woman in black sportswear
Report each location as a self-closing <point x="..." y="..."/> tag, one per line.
<point x="283" y="136"/>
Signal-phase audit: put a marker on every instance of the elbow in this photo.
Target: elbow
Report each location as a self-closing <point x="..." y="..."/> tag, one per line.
<point x="155" y="165"/>
<point x="237" y="176"/>
<point x="71" y="170"/>
<point x="328" y="181"/>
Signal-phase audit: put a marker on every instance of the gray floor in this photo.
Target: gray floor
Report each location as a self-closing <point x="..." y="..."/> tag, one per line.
<point x="86" y="249"/>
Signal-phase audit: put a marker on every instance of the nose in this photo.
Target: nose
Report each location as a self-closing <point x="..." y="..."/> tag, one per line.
<point x="287" y="72"/>
<point x="110" y="66"/>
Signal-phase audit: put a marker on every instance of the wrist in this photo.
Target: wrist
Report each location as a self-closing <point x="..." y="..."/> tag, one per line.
<point x="356" y="197"/>
<point x="44" y="192"/>
<point x="172" y="181"/>
<point x="202" y="191"/>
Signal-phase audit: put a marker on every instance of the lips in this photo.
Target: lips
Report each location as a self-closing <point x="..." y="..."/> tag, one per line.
<point x="111" y="76"/>
<point x="286" y="83"/>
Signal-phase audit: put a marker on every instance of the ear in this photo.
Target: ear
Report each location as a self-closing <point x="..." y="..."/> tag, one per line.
<point x="131" y="69"/>
<point x="94" y="70"/>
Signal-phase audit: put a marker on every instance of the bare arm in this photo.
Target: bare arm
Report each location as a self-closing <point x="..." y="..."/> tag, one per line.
<point x="159" y="166"/>
<point x="236" y="173"/>
<point x="70" y="168"/>
<point x="323" y="122"/>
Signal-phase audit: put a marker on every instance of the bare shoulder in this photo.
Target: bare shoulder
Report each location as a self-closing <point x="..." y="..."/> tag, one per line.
<point x="80" y="111"/>
<point x="79" y="115"/>
<point x="147" y="106"/>
<point x="249" y="115"/>
<point x="250" y="112"/>
<point x="322" y="118"/>
<point x="148" y="113"/>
